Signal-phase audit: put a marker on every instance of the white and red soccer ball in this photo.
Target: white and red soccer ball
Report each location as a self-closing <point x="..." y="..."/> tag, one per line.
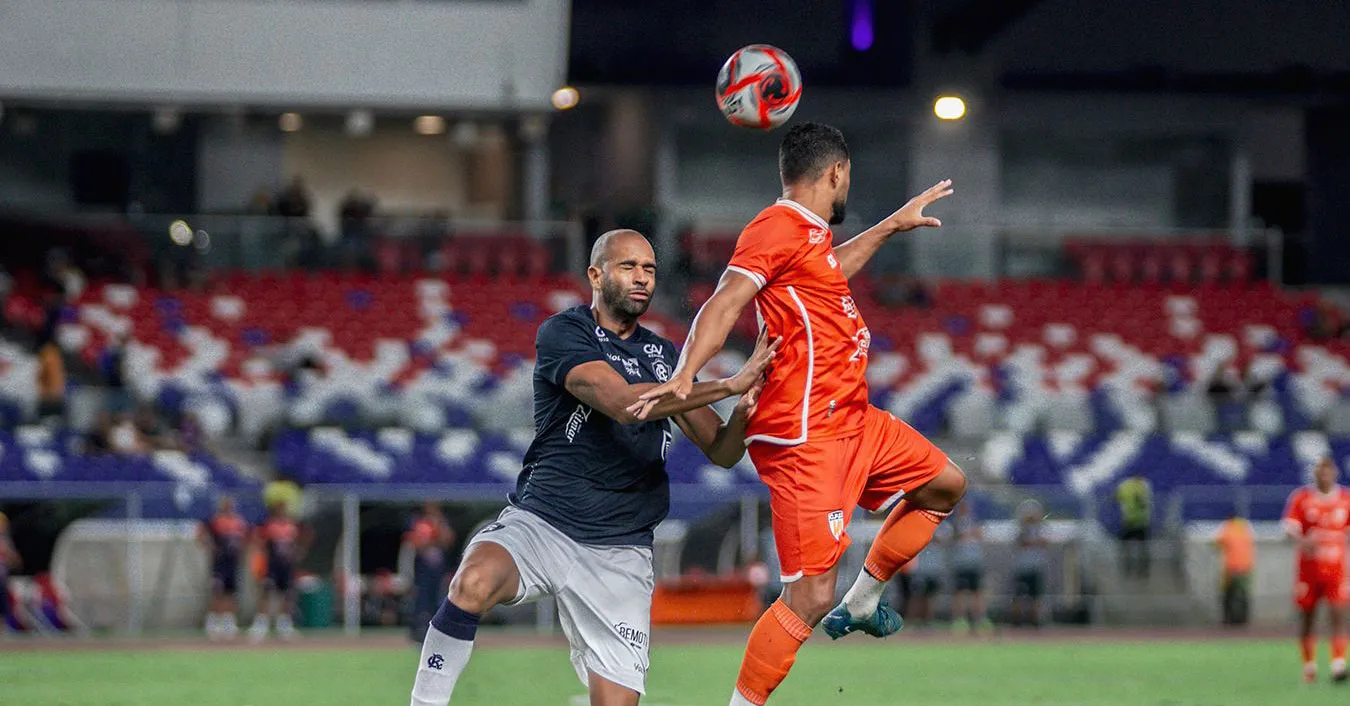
<point x="759" y="87"/>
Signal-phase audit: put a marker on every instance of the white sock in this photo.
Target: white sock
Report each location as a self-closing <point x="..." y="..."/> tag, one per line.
<point x="213" y="624"/>
<point x="738" y="700"/>
<point x="443" y="660"/>
<point x="864" y="596"/>
<point x="284" y="623"/>
<point x="1338" y="665"/>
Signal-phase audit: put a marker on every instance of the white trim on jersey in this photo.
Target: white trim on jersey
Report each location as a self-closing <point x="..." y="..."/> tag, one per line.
<point x="808" y="213"/>
<point x="755" y="277"/>
<point x="810" y="375"/>
<point x="784" y="578"/>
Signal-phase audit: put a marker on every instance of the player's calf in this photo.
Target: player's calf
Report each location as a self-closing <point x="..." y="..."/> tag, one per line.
<point x="487" y="577"/>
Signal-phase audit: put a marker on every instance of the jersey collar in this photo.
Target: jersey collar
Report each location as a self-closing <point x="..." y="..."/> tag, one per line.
<point x="804" y="211"/>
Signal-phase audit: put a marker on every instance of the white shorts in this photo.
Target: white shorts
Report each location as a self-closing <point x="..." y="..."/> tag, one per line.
<point x="604" y="594"/>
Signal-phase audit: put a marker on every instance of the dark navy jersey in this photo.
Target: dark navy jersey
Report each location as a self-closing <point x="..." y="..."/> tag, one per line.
<point x="596" y="480"/>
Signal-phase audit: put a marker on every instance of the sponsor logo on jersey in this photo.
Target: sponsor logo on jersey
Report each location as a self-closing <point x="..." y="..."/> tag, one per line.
<point x="834" y="264"/>
<point x="817" y="235"/>
<point x="630" y="366"/>
<point x="491" y="527"/>
<point x="836" y="520"/>
<point x="654" y="350"/>
<point x="850" y="306"/>
<point x="600" y="333"/>
<point x="574" y="422"/>
<point x="666" y="438"/>
<point x="863" y="339"/>
<point x="632" y="635"/>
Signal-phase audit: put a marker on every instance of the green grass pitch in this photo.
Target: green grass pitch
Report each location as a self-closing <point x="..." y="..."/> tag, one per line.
<point x="1226" y="672"/>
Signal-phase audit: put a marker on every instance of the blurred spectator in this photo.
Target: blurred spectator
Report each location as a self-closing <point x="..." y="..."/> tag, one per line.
<point x="9" y="561"/>
<point x="282" y="492"/>
<point x="1237" y="547"/>
<point x="357" y="234"/>
<point x="1029" y="564"/>
<point x="6" y="286"/>
<point x="124" y="437"/>
<point x="293" y="201"/>
<point x="1134" y="495"/>
<point x="152" y="431"/>
<point x="430" y="539"/>
<point x="921" y="579"/>
<point x="112" y="367"/>
<point x="261" y="203"/>
<point x="1326" y="321"/>
<point x="897" y="291"/>
<point x="62" y="275"/>
<point x="51" y="381"/>
<point x="968" y="609"/>
<point x="431" y="232"/>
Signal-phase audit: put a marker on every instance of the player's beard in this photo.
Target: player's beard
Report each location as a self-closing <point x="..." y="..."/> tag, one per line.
<point x="837" y="210"/>
<point x="616" y="298"/>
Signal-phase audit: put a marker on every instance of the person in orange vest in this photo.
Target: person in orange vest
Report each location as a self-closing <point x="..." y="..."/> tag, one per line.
<point x="430" y="539"/>
<point x="1237" y="547"/>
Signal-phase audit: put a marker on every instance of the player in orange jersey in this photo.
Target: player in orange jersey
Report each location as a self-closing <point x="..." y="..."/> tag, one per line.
<point x="225" y="536"/>
<point x="818" y="444"/>
<point x="1317" y="518"/>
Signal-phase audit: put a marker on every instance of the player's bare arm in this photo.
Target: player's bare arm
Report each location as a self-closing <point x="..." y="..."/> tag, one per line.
<point x="600" y="387"/>
<point x="855" y="253"/>
<point x="722" y="442"/>
<point x="707" y="335"/>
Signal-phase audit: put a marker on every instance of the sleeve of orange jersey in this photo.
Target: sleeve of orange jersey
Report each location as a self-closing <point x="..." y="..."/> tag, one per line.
<point x="766" y="248"/>
<point x="1292" y="519"/>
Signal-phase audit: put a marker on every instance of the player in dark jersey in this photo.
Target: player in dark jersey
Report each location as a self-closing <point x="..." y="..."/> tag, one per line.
<point x="593" y="487"/>
<point x="225" y="535"/>
<point x="9" y="561"/>
<point x="282" y="542"/>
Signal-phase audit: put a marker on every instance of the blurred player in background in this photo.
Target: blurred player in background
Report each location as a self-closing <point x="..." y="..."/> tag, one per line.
<point x="1237" y="547"/>
<point x="430" y="539"/>
<point x="817" y="442"/>
<point x="225" y="536"/>
<point x="1317" y="518"/>
<point x="9" y="561"/>
<point x="281" y="542"/>
<point x="594" y="485"/>
<point x="968" y="610"/>
<point x="1030" y="562"/>
<point x="921" y="579"/>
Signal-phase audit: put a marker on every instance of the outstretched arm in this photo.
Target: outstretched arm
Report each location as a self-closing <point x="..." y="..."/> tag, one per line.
<point x="855" y="253"/>
<point x="597" y="385"/>
<point x="707" y="335"/>
<point x="722" y="442"/>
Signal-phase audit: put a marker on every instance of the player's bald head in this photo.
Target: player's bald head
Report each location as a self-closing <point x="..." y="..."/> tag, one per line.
<point x="610" y="245"/>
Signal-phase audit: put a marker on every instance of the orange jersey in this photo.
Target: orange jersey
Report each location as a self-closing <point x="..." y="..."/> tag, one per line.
<point x="816" y="388"/>
<point x="1325" y="519"/>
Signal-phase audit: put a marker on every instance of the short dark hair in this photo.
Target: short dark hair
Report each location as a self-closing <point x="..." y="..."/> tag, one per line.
<point x="808" y="150"/>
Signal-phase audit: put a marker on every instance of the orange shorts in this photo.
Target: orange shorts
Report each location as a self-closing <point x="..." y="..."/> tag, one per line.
<point x="1316" y="584"/>
<point x="814" y="487"/>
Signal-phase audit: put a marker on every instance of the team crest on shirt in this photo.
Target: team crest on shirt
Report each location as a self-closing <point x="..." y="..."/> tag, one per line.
<point x="836" y="519"/>
<point x="662" y="372"/>
<point x="817" y="235"/>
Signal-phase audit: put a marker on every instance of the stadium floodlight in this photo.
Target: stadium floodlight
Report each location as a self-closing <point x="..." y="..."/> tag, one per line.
<point x="949" y="108"/>
<point x="290" y="122"/>
<point x="180" y="233"/>
<point x="429" y="125"/>
<point x="566" y="98"/>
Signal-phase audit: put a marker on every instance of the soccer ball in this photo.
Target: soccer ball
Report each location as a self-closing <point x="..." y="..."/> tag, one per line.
<point x="759" y="87"/>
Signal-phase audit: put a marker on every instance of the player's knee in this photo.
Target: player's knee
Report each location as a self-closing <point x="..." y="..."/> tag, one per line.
<point x="475" y="588"/>
<point x="810" y="599"/>
<point x="943" y="492"/>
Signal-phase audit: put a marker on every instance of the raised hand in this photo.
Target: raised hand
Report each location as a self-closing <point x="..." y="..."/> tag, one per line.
<point x="910" y="216"/>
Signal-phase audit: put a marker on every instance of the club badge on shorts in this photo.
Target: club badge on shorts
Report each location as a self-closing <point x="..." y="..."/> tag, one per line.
<point x="836" y="518"/>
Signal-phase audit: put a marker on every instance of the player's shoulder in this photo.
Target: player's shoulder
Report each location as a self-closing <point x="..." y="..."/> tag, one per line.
<point x="786" y="215"/>
<point x="572" y="319"/>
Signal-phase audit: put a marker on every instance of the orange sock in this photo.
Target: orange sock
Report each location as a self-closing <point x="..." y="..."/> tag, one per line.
<point x="1338" y="644"/>
<point x="1309" y="644"/>
<point x="907" y="530"/>
<point x="770" y="652"/>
